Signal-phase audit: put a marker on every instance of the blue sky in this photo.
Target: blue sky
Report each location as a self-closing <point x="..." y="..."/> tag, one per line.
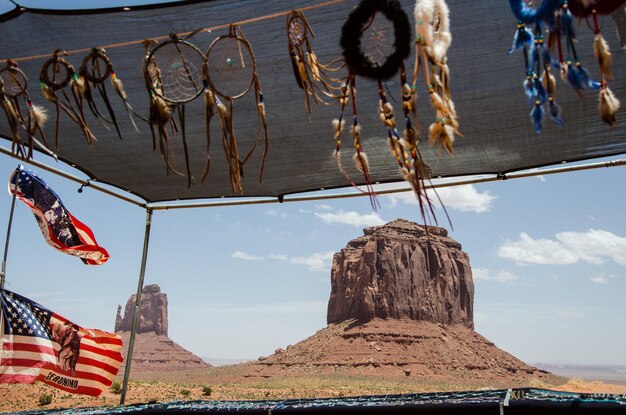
<point x="548" y="256"/>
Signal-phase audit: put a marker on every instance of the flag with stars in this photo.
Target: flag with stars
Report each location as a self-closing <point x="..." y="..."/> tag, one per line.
<point x="37" y="344"/>
<point x="59" y="228"/>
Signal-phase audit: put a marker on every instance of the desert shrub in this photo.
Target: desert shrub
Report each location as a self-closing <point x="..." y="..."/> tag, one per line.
<point x="206" y="390"/>
<point x="185" y="392"/>
<point x="116" y="387"/>
<point x="45" y="399"/>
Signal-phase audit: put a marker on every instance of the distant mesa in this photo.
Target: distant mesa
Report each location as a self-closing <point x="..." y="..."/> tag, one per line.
<point x="396" y="271"/>
<point x="401" y="305"/>
<point x="154" y="350"/>
<point x="153" y="312"/>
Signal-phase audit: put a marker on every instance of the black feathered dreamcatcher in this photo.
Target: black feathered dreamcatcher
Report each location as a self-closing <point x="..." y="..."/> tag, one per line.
<point x="22" y="114"/>
<point x="96" y="68"/>
<point x="55" y="76"/>
<point x="172" y="72"/>
<point x="380" y="59"/>
<point x="231" y="73"/>
<point x="313" y="77"/>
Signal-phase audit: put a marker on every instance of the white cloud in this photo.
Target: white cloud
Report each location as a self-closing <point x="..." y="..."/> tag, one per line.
<point x="315" y="262"/>
<point x="462" y="198"/>
<point x="351" y="218"/>
<point x="496" y="276"/>
<point x="599" y="279"/>
<point x="245" y="256"/>
<point x="593" y="246"/>
<point x="537" y="251"/>
<point x="465" y="198"/>
<point x="323" y="207"/>
<point x="274" y="212"/>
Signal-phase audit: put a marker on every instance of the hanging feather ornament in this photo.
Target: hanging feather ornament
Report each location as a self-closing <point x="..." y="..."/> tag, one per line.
<point x="371" y="60"/>
<point x="608" y="104"/>
<point x="433" y="38"/>
<point x="56" y="74"/>
<point x="174" y="77"/>
<point x="313" y="77"/>
<point x="95" y="69"/>
<point x="22" y="114"/>
<point x="230" y="73"/>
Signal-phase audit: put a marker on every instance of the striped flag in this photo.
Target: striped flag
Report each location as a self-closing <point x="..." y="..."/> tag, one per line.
<point x="59" y="228"/>
<point x="40" y="345"/>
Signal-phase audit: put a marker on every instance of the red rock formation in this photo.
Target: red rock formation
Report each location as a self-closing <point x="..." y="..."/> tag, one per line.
<point x="152" y="312"/>
<point x="397" y="271"/>
<point x="153" y="350"/>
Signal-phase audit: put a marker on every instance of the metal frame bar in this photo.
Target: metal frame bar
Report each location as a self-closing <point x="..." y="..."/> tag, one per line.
<point x="135" y="314"/>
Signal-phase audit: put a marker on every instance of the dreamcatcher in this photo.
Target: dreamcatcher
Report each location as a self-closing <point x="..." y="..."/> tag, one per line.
<point x="231" y="72"/>
<point x="55" y="75"/>
<point x="608" y="104"/>
<point x="539" y="83"/>
<point x="371" y="20"/>
<point x="311" y="76"/>
<point x="172" y="71"/>
<point x="96" y="68"/>
<point x="433" y="38"/>
<point x="22" y="114"/>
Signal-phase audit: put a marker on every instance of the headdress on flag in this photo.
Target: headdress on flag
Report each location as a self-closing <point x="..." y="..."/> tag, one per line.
<point x="59" y="227"/>
<point x="37" y="344"/>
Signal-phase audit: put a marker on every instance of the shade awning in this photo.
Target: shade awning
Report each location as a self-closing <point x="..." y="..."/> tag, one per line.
<point x="486" y="83"/>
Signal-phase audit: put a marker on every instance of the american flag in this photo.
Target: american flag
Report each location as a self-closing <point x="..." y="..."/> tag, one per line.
<point x="59" y="228"/>
<point x="40" y="345"/>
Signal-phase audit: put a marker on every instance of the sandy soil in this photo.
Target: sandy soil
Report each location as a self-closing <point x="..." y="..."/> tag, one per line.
<point x="223" y="386"/>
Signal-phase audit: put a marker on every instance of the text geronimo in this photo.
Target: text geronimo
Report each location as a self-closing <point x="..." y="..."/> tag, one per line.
<point x="68" y="383"/>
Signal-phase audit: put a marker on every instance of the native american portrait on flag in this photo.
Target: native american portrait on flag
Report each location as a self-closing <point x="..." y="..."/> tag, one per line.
<point x="59" y="228"/>
<point x="37" y="344"/>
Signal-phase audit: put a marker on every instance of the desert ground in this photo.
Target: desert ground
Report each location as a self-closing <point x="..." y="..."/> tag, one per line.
<point x="227" y="383"/>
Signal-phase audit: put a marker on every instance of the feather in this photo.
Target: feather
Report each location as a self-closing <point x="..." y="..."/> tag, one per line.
<point x="585" y="78"/>
<point x="555" y="112"/>
<point x="361" y="161"/>
<point x="603" y="54"/>
<point x="314" y="65"/>
<point x="163" y="109"/>
<point x="529" y="89"/>
<point x="523" y="38"/>
<point x="355" y="129"/>
<point x="39" y="116"/>
<point x="437" y="102"/>
<point x="339" y="125"/>
<point x="47" y="93"/>
<point x="118" y="85"/>
<point x="608" y="106"/>
<point x="78" y="84"/>
<point x="536" y="117"/>
<point x="432" y="25"/>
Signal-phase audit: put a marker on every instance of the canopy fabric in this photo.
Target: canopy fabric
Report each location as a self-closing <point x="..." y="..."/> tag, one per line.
<point x="486" y="83"/>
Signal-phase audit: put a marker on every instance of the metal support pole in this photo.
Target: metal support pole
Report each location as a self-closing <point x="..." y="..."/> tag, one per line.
<point x="3" y="272"/>
<point x="135" y="317"/>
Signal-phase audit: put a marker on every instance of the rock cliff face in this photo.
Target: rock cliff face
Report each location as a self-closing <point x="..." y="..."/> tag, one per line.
<point x="396" y="271"/>
<point x="152" y="312"/>
<point x="153" y="350"/>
